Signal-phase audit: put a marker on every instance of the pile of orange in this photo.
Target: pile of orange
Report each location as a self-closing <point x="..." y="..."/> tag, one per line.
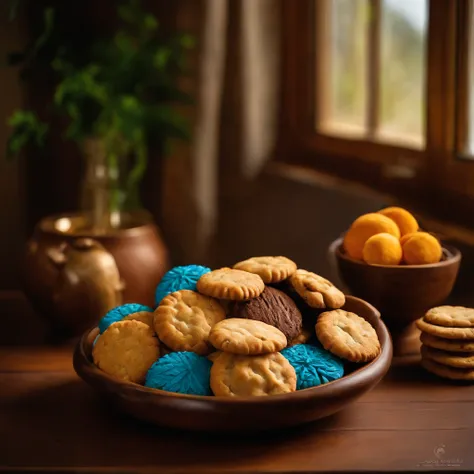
<point x="391" y="237"/>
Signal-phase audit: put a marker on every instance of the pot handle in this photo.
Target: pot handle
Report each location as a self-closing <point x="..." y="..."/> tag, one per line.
<point x="57" y="255"/>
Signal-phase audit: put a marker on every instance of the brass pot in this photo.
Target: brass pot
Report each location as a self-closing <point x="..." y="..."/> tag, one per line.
<point x="73" y="276"/>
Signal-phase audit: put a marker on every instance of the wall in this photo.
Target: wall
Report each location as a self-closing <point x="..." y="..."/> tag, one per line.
<point x="12" y="235"/>
<point x="293" y="214"/>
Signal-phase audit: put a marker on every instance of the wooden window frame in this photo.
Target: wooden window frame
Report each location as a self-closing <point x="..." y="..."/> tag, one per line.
<point x="442" y="183"/>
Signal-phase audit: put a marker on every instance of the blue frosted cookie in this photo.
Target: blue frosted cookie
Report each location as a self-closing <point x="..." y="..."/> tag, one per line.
<point x="118" y="313"/>
<point x="181" y="372"/>
<point x="313" y="365"/>
<point x="179" y="278"/>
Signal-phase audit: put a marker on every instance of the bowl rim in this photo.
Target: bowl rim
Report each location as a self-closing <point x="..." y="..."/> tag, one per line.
<point x="141" y="221"/>
<point x="452" y="253"/>
<point x="375" y="369"/>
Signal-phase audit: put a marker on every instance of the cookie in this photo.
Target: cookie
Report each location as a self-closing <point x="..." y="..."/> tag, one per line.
<point x="184" y="318"/>
<point x="179" y="278"/>
<point x="447" y="333"/>
<point x="316" y="291"/>
<point x="230" y="284"/>
<point x="460" y="360"/>
<point x="214" y="355"/>
<point x="246" y="337"/>
<point x="181" y="372"/>
<point x="447" y="372"/>
<point x="119" y="312"/>
<point x="241" y="376"/>
<point x="270" y="269"/>
<point x="143" y="316"/>
<point x="313" y="365"/>
<point x="451" y="316"/>
<point x="303" y="337"/>
<point x="451" y="345"/>
<point x="126" y="350"/>
<point x="347" y="335"/>
<point x="272" y="307"/>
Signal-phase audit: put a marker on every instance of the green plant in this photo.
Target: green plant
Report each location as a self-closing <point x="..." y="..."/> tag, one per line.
<point x="121" y="89"/>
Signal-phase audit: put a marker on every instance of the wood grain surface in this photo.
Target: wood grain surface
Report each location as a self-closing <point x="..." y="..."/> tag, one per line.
<point x="52" y="421"/>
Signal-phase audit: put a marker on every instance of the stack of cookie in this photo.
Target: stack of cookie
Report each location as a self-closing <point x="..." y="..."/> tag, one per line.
<point x="249" y="362"/>
<point x="263" y="327"/>
<point x="448" y="342"/>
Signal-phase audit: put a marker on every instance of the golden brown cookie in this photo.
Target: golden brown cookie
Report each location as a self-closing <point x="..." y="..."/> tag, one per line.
<point x="270" y="269"/>
<point x="230" y="284"/>
<point x="447" y="372"/>
<point x="460" y="360"/>
<point x="316" y="291"/>
<point x="347" y="335"/>
<point x="451" y="316"/>
<point x="245" y="376"/>
<point x="214" y="355"/>
<point x="447" y="333"/>
<point x="126" y="350"/>
<point x="184" y="318"/>
<point x="246" y="337"/>
<point x="451" y="345"/>
<point x="301" y="338"/>
<point x="143" y="316"/>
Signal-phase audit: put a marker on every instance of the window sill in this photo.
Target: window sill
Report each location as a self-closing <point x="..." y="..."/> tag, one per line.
<point x="445" y="228"/>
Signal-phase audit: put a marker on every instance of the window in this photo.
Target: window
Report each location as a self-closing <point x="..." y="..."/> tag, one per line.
<point x="382" y="92"/>
<point x="374" y="69"/>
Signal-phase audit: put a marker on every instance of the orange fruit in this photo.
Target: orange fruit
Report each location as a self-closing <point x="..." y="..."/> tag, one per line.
<point x="421" y="249"/>
<point x="382" y="249"/>
<point x="405" y="221"/>
<point x="365" y="227"/>
<point x="405" y="237"/>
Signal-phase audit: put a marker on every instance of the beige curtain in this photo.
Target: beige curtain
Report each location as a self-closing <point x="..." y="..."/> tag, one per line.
<point x="236" y="89"/>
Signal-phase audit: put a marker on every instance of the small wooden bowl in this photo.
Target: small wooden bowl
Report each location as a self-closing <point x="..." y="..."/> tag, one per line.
<point x="402" y="293"/>
<point x="239" y="414"/>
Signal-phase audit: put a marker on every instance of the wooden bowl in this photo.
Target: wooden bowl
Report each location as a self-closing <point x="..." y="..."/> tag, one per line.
<point x="239" y="414"/>
<point x="402" y="293"/>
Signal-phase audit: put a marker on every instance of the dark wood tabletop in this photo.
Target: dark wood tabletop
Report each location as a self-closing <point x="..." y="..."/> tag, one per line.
<point x="52" y="421"/>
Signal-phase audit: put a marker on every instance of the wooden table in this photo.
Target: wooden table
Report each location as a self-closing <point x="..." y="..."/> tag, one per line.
<point x="51" y="420"/>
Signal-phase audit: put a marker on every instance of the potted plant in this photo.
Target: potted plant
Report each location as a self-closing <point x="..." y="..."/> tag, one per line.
<point x="118" y="96"/>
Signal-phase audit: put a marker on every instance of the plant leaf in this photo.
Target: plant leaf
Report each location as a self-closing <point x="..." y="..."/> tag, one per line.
<point x="187" y="41"/>
<point x="48" y="18"/>
<point x="27" y="129"/>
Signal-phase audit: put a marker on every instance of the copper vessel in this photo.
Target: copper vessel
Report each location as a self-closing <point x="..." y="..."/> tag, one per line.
<point x="72" y="276"/>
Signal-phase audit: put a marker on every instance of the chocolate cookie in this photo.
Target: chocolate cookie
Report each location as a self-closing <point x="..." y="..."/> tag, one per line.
<point x="310" y="315"/>
<point x="272" y="307"/>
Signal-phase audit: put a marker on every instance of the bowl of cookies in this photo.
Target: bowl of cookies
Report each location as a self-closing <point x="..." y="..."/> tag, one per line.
<point x="262" y="345"/>
<point x="403" y="271"/>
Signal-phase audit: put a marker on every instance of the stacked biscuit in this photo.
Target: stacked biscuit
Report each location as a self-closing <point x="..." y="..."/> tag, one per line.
<point x="263" y="327"/>
<point x="249" y="362"/>
<point x="447" y="336"/>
